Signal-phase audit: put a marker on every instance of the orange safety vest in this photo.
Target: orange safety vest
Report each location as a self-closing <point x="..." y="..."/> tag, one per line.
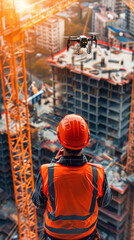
<point x="72" y="208"/>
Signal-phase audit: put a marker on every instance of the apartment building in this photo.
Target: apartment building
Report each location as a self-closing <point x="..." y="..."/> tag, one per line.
<point x="120" y="37"/>
<point x="116" y="6"/>
<point x="130" y="20"/>
<point x="51" y="34"/>
<point x="101" y="19"/>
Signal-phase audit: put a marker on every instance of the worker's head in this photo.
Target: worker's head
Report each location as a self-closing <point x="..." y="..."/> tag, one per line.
<point x="73" y="133"/>
<point x="33" y="83"/>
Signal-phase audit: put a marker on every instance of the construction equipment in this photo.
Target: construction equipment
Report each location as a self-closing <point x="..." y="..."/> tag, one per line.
<point x="14" y="86"/>
<point x="83" y="41"/>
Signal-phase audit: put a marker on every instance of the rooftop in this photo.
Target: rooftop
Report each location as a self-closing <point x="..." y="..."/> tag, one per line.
<point x="117" y="67"/>
<point x="125" y="36"/>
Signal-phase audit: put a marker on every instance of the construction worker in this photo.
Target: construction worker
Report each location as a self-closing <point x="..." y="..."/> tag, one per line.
<point x="33" y="88"/>
<point x="70" y="189"/>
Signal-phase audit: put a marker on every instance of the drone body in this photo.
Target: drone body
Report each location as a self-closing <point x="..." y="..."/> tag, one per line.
<point x="83" y="42"/>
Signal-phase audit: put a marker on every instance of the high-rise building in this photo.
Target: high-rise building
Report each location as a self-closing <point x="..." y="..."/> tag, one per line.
<point x="50" y="34"/>
<point x="116" y="6"/>
<point x="96" y="86"/>
<point x="130" y="20"/>
<point x="120" y="37"/>
<point x="101" y="19"/>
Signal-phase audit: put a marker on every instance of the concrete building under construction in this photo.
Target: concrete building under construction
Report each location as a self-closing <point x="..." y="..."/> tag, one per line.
<point x="96" y="86"/>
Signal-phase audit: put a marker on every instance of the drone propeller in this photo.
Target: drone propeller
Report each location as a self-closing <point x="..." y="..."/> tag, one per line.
<point x="93" y="33"/>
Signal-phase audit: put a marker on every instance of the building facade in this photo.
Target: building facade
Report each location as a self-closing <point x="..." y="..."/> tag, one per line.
<point x="130" y="20"/>
<point x="101" y="19"/>
<point x="51" y="34"/>
<point x="116" y="6"/>
<point x="120" y="37"/>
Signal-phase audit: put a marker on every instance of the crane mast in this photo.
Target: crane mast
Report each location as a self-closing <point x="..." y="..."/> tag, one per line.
<point x="129" y="3"/>
<point x="14" y="87"/>
<point x="130" y="152"/>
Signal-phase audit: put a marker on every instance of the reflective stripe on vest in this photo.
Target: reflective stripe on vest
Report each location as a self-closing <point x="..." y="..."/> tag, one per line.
<point x="69" y="231"/>
<point x="51" y="191"/>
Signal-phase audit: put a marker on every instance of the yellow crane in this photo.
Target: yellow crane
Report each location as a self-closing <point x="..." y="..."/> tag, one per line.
<point x="12" y="69"/>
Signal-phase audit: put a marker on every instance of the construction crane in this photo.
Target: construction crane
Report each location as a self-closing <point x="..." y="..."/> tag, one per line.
<point x="87" y="19"/>
<point x="130" y="152"/>
<point x="14" y="87"/>
<point x="129" y="3"/>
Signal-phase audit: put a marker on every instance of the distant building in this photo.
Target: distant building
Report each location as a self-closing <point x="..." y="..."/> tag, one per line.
<point x="116" y="6"/>
<point x="101" y="19"/>
<point x="51" y="34"/>
<point x="130" y="20"/>
<point x="5" y="165"/>
<point x="120" y="37"/>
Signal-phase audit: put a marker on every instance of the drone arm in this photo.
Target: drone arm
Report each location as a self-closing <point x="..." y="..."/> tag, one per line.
<point x="93" y="39"/>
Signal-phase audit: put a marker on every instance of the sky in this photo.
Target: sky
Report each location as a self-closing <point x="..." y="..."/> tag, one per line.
<point x="21" y="4"/>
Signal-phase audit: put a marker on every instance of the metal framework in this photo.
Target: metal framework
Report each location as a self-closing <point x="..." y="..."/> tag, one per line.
<point x="14" y="86"/>
<point x="129" y="3"/>
<point x="130" y="152"/>
<point x="88" y="15"/>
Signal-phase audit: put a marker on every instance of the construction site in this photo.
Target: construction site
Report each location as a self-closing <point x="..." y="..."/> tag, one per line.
<point x="98" y="86"/>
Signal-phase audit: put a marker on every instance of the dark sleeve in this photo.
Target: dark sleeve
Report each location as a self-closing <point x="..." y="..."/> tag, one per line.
<point x="38" y="197"/>
<point x="53" y="160"/>
<point x="107" y="194"/>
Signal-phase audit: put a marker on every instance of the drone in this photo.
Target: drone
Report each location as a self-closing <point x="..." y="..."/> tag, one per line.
<point x="83" y="42"/>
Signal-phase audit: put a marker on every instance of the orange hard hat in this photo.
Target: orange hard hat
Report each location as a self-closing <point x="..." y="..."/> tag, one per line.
<point x="73" y="132"/>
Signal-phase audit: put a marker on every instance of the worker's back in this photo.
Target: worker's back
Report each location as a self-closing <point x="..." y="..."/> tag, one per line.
<point x="69" y="188"/>
<point x="72" y="193"/>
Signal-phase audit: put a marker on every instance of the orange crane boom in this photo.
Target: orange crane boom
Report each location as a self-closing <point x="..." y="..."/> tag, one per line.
<point x="87" y="19"/>
<point x="14" y="86"/>
<point x="129" y="3"/>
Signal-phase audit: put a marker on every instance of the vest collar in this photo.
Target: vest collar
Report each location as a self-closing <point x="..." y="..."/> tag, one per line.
<point x="73" y="160"/>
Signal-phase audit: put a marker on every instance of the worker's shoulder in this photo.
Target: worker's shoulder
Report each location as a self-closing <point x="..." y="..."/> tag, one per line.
<point x="46" y="165"/>
<point x="99" y="166"/>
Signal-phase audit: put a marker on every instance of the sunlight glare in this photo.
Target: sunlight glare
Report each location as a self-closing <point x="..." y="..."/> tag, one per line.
<point x="21" y="5"/>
